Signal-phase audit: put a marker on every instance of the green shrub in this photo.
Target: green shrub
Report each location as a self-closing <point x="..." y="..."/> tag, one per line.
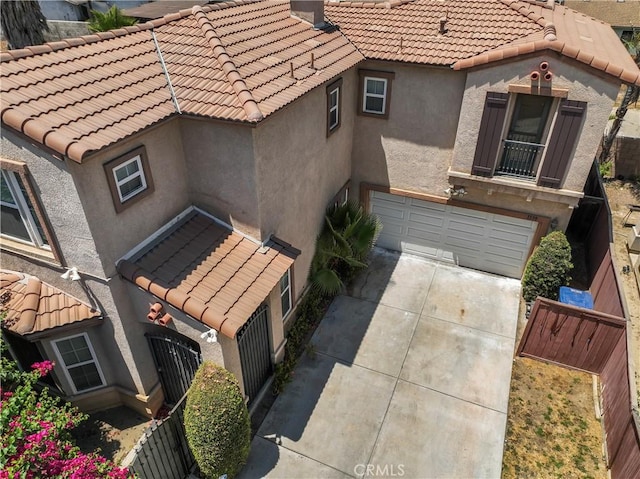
<point x="217" y="422"/>
<point x="548" y="268"/>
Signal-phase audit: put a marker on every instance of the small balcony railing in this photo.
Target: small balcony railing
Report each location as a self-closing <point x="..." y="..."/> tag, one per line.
<point x="520" y="159"/>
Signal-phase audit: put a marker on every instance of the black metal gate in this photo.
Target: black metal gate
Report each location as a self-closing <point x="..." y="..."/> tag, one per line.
<point x="177" y="360"/>
<point x="255" y="352"/>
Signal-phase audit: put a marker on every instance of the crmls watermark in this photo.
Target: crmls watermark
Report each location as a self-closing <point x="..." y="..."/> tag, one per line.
<point x="379" y="470"/>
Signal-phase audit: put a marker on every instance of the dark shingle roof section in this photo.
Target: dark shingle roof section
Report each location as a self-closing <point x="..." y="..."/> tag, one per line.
<point x="31" y="306"/>
<point x="616" y="14"/>
<point x="210" y="272"/>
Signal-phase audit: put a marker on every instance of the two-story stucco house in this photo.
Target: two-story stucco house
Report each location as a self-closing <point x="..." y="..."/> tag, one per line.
<point x="163" y="185"/>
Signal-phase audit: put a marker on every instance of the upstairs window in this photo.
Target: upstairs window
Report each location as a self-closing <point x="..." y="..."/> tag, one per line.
<point x="129" y="178"/>
<point x="538" y="143"/>
<point x="375" y="93"/>
<point x="20" y="220"/>
<point x="334" y="98"/>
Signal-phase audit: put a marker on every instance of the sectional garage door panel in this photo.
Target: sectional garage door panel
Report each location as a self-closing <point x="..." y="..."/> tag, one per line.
<point x="475" y="239"/>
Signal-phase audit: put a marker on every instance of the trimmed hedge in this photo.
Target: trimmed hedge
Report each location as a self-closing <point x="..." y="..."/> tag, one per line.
<point x="548" y="268"/>
<point x="217" y="422"/>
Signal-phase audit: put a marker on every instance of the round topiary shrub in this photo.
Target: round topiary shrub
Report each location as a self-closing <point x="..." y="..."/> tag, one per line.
<point x="548" y="268"/>
<point x="217" y="422"/>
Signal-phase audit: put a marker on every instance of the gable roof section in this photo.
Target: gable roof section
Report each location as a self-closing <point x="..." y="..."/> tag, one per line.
<point x="231" y="61"/>
<point x="570" y="33"/>
<point x="32" y="306"/>
<point x="479" y="32"/>
<point x="213" y="274"/>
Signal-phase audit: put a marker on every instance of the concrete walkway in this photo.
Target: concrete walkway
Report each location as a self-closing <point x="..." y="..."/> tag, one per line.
<point x="408" y="376"/>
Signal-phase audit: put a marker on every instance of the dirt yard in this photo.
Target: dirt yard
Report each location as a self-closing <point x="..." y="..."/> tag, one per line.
<point x="621" y="194"/>
<point x="552" y="429"/>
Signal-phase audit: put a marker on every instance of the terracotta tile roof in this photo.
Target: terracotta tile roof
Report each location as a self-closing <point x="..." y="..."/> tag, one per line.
<point x="231" y="61"/>
<point x="210" y="272"/>
<point x="478" y="32"/>
<point x="32" y="306"/>
<point x="569" y="33"/>
<point x="617" y="14"/>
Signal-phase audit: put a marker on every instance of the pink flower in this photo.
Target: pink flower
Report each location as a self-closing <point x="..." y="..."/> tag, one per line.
<point x="43" y="367"/>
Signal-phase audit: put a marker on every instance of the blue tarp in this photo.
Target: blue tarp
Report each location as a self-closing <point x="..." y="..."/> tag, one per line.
<point x="576" y="297"/>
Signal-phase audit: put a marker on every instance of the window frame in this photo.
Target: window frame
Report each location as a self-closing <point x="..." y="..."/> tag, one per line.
<point x="65" y="367"/>
<point x="375" y="75"/>
<point x="138" y="155"/>
<point x="287" y="291"/>
<point x="335" y="87"/>
<point x="50" y="251"/>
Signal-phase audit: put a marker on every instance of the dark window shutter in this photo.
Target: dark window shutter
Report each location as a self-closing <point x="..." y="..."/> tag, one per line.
<point x="563" y="139"/>
<point x="495" y="110"/>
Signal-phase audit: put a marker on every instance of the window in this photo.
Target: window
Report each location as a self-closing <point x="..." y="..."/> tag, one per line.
<point x="129" y="178"/>
<point x="20" y="220"/>
<point x="333" y="106"/>
<point x="539" y="141"/>
<point x="375" y="93"/>
<point x="79" y="361"/>
<point x="285" y="293"/>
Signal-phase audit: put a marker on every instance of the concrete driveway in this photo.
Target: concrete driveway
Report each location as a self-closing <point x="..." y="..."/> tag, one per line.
<point x="408" y="376"/>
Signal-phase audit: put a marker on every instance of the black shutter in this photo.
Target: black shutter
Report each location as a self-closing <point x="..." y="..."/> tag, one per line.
<point x="563" y="139"/>
<point x="495" y="111"/>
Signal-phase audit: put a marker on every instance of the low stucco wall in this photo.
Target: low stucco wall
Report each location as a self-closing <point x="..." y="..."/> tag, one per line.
<point x="626" y="157"/>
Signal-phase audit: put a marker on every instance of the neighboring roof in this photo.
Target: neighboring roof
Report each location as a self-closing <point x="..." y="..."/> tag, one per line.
<point x="157" y="9"/>
<point x="245" y="59"/>
<point x="31" y="306"/>
<point x="231" y="61"/>
<point x="478" y="32"/>
<point x="211" y="273"/>
<point x="616" y="14"/>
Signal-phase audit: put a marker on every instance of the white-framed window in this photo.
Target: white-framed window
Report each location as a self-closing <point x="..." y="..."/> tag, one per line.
<point x="334" y="100"/>
<point x="374" y="98"/>
<point x="19" y="220"/>
<point x="129" y="178"/>
<point x="285" y="293"/>
<point x="78" y="359"/>
<point x="334" y="108"/>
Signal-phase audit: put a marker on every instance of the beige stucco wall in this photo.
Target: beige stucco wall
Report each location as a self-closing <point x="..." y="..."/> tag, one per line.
<point x="300" y="169"/>
<point x="116" y="233"/>
<point x="583" y="85"/>
<point x="220" y="171"/>
<point x="412" y="148"/>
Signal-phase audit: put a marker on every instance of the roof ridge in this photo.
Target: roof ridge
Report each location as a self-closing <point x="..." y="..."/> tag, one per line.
<point x="230" y="70"/>
<point x="388" y="4"/>
<point x="521" y="6"/>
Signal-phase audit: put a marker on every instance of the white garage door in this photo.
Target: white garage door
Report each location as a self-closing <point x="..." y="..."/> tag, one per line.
<point x="474" y="239"/>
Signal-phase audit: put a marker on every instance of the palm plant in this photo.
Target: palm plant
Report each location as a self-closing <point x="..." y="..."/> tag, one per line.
<point x="110" y="20"/>
<point x="342" y="246"/>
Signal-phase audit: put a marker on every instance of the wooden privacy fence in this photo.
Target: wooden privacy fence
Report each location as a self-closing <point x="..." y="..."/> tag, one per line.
<point x="571" y="336"/>
<point x="163" y="452"/>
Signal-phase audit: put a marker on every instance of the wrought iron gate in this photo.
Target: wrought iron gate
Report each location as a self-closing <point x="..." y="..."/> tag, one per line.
<point x="177" y="360"/>
<point x="255" y="352"/>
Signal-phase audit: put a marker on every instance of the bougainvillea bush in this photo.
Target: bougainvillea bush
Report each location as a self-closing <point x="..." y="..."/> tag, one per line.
<point x="34" y="432"/>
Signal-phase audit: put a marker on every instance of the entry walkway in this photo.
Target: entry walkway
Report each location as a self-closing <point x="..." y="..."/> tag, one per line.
<point x="408" y="376"/>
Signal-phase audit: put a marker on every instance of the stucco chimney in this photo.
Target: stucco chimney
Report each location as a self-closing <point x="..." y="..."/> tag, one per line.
<point x="311" y="11"/>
